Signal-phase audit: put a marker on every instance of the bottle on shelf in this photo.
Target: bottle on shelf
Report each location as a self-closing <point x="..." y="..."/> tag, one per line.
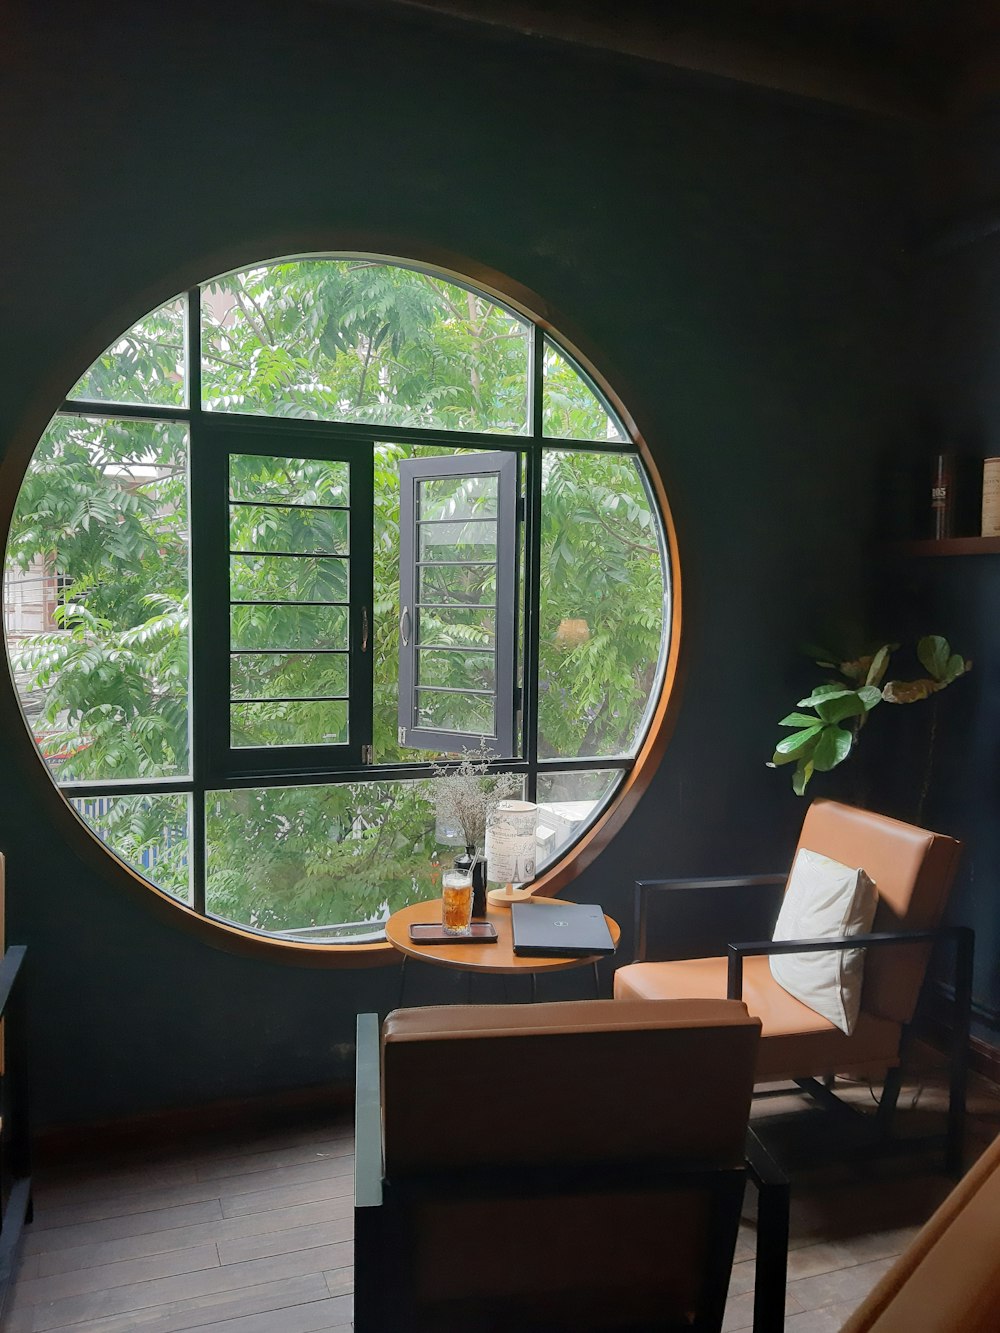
<point x="943" y="496"/>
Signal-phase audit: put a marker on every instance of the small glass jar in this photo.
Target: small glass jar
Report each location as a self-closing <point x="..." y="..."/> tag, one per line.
<point x="456" y="902"/>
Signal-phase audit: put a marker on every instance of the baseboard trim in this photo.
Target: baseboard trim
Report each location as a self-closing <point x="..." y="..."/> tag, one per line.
<point x="298" y="1105"/>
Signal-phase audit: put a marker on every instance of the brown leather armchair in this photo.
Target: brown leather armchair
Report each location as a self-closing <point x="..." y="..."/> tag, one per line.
<point x="913" y="870"/>
<point x="948" y="1279"/>
<point x="558" y="1166"/>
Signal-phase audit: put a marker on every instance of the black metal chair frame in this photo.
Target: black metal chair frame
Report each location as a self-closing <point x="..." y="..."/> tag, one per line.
<point x="961" y="938"/>
<point x="15" y="1139"/>
<point x="381" y="1270"/>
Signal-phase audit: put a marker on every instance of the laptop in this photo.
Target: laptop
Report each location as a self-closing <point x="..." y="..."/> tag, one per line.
<point x="547" y="928"/>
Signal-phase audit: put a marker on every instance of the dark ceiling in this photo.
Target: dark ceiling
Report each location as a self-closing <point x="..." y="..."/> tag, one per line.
<point x="910" y="58"/>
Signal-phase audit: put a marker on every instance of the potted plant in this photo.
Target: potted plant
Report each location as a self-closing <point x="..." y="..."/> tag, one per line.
<point x="824" y="736"/>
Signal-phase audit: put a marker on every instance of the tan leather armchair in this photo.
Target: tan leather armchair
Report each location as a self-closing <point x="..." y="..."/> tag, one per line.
<point x="558" y="1166"/>
<point x="948" y="1279"/>
<point x="913" y="869"/>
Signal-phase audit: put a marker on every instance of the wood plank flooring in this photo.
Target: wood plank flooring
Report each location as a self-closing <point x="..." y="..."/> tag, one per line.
<point x="251" y="1232"/>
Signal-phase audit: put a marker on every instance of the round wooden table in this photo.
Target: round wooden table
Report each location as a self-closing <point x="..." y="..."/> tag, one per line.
<point x="497" y="959"/>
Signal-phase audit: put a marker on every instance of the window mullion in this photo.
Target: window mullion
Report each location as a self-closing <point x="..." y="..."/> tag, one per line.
<point x="532" y="564"/>
<point x="197" y="849"/>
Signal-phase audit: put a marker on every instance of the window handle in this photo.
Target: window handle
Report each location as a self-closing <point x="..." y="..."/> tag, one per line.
<point x="404" y="625"/>
<point x="364" y="629"/>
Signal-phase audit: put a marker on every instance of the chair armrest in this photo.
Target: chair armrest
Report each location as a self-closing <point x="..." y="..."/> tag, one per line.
<point x="645" y="888"/>
<point x="368" y="1115"/>
<point x="962" y="936"/>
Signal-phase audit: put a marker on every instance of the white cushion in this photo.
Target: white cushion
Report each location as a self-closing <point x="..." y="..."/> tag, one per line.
<point x="825" y="898"/>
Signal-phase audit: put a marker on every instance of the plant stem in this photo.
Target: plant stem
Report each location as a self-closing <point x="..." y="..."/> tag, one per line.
<point x="929" y="765"/>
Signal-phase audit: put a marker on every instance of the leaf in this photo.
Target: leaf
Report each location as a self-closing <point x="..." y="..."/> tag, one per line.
<point x="825" y="693"/>
<point x="956" y="667"/>
<point x="799" y="720"/>
<point x="857" y="669"/>
<point x="835" y="710"/>
<point x="801" y="776"/>
<point x="777" y="760"/>
<point x="794" y="744"/>
<point x="879" y="665"/>
<point x="933" y="652"/>
<point x="832" y="748"/>
<point x="870" y="695"/>
<point x="909" y="691"/>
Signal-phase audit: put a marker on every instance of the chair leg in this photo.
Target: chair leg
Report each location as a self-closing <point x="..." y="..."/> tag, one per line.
<point x="887" y="1103"/>
<point x="772" y="1259"/>
<point x="958" y="1082"/>
<point x="773" y="1197"/>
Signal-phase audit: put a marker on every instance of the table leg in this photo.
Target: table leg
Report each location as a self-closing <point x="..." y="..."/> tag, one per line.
<point x="534" y="986"/>
<point x="597" y="981"/>
<point x="402" y="983"/>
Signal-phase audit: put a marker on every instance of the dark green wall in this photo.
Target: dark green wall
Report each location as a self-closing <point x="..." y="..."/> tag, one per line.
<point x="957" y="292"/>
<point x="733" y="258"/>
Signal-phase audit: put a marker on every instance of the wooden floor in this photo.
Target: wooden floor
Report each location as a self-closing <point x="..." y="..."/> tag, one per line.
<point x="251" y="1233"/>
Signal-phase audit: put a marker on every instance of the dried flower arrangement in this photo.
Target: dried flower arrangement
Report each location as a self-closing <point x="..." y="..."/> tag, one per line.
<point x="467" y="795"/>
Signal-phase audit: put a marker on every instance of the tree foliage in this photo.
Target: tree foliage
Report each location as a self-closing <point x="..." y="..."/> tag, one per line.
<point x="104" y="507"/>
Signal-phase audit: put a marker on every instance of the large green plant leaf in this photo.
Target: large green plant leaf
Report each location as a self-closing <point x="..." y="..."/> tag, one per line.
<point x="799" y="720"/>
<point x="843" y="706"/>
<point x="824" y="693"/>
<point x="794" y="744"/>
<point x="832" y="748"/>
<point x="957" y="666"/>
<point x="801" y="776"/>
<point x="933" y="652"/>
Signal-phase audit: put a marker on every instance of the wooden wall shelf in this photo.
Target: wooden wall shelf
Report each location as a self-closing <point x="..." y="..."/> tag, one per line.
<point x="951" y="546"/>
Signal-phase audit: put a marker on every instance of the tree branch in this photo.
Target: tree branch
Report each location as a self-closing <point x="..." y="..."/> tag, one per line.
<point x="267" y="336"/>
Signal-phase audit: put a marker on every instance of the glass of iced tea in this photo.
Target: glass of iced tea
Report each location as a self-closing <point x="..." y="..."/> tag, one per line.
<point x="456" y="902"/>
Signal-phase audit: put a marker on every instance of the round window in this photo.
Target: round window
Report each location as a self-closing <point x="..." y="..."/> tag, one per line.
<point x="299" y="539"/>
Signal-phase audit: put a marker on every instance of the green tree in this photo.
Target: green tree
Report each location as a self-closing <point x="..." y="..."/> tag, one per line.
<point x="104" y="508"/>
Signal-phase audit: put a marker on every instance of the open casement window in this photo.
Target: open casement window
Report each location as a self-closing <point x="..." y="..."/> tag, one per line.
<point x="289" y="656"/>
<point x="457" y="593"/>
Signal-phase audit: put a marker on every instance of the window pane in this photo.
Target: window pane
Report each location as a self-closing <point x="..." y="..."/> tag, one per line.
<point x="288" y="675"/>
<point x="466" y="542"/>
<point x="568" y="803"/>
<point x="145" y="365"/>
<point x="445" y="711"/>
<point x="455" y="627"/>
<point x="309" y="860"/>
<point x="262" y="578"/>
<point x="602" y="605"/>
<point x="458" y="585"/>
<point x="96" y="609"/>
<point x="456" y="669"/>
<point x="571" y="410"/>
<point x="356" y="340"/>
<point x="457" y="624"/>
<point x="288" y="626"/>
<point x="457" y="498"/>
<point x="275" y="528"/>
<point x="301" y="481"/>
<point x="149" y="833"/>
<point x="321" y="723"/>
